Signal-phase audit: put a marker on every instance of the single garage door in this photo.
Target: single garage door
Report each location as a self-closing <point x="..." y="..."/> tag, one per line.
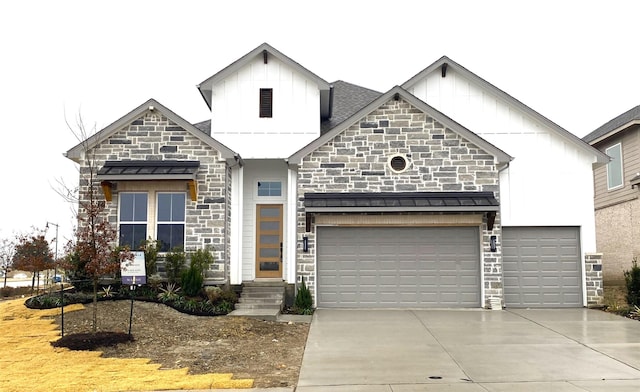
<point x="542" y="266"/>
<point x="399" y="267"/>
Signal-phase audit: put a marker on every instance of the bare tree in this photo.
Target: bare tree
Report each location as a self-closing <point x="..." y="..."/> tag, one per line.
<point x="7" y="250"/>
<point x="93" y="253"/>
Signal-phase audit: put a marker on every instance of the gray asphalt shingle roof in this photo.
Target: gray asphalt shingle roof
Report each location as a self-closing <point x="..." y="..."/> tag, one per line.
<point x="625" y="118"/>
<point x="347" y="99"/>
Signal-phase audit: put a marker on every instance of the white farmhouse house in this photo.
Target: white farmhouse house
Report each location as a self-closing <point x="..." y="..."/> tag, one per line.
<point x="442" y="192"/>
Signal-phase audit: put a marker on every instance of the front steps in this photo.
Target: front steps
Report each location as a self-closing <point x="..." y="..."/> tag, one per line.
<point x="261" y="299"/>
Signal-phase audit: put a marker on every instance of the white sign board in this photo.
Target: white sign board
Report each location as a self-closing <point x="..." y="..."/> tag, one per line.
<point x="134" y="271"/>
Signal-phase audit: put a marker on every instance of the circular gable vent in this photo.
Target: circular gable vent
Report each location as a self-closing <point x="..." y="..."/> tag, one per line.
<point x="398" y="163"/>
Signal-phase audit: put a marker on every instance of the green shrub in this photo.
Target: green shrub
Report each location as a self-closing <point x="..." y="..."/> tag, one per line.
<point x="193" y="278"/>
<point x="6" y="291"/>
<point x="151" y="249"/>
<point x="224" y="307"/>
<point x="201" y="259"/>
<point x="192" y="281"/>
<point x="632" y="280"/>
<point x="175" y="261"/>
<point x="303" y="303"/>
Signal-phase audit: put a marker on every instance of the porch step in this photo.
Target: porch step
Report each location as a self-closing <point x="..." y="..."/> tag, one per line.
<point x="263" y="300"/>
<point x="261" y="314"/>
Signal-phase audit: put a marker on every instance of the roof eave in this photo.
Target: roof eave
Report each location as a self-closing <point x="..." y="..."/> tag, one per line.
<point x="403" y="209"/>
<point x="500" y="156"/>
<point x="614" y="131"/>
<point x="75" y="153"/>
<point x="150" y="177"/>
<point x="598" y="155"/>
<point x="222" y="74"/>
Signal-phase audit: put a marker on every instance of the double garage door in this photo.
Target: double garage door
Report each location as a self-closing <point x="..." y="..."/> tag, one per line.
<point x="398" y="267"/>
<point x="429" y="267"/>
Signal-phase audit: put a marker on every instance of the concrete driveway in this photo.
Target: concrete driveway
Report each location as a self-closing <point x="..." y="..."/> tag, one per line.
<point x="471" y="350"/>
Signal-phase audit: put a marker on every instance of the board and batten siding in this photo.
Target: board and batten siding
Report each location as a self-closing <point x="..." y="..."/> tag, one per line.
<point x="630" y="141"/>
<point x="235" y="105"/>
<point x="550" y="180"/>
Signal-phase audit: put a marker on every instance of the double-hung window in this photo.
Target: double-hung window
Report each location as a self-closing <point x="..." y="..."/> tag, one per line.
<point x="614" y="168"/>
<point x="171" y="220"/>
<point x="133" y="219"/>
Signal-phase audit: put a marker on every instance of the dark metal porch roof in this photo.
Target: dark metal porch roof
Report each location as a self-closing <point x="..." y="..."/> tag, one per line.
<point x="401" y="201"/>
<point x="148" y="170"/>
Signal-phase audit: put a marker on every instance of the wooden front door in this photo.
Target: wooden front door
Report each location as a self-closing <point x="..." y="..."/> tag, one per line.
<point x="269" y="241"/>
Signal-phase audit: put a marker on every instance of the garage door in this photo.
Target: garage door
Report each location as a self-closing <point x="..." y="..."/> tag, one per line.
<point x="398" y="267"/>
<point x="542" y="266"/>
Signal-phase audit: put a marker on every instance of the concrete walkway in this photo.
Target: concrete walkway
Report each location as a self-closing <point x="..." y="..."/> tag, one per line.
<point x="562" y="350"/>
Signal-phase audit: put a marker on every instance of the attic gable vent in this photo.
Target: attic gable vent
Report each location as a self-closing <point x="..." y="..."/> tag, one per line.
<point x="266" y="102"/>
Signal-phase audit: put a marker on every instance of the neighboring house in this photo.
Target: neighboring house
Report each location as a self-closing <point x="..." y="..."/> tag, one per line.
<point x="442" y="192"/>
<point x="616" y="193"/>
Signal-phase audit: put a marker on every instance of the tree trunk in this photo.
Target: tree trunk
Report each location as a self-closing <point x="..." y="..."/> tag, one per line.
<point x="95" y="306"/>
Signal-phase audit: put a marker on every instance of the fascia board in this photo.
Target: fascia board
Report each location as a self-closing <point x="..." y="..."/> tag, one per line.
<point x="599" y="157"/>
<point x="75" y="153"/>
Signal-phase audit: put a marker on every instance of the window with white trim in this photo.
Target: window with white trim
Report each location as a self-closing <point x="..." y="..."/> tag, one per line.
<point x="614" y="167"/>
<point x="170" y="219"/>
<point x="269" y="188"/>
<point x="132" y="219"/>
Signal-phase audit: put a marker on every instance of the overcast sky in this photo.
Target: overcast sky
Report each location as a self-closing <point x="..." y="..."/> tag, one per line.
<point x="575" y="62"/>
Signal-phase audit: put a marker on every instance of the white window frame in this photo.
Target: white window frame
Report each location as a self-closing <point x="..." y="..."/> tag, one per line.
<point x="282" y="190"/>
<point x="610" y="168"/>
<point x="134" y="222"/>
<point x="158" y="222"/>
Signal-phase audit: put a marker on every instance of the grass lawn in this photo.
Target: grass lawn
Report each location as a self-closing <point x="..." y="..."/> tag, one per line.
<point x="29" y="361"/>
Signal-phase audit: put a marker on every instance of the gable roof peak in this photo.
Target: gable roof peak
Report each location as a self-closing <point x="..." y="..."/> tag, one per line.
<point x="396" y="93"/>
<point x="264" y="49"/>
<point x="445" y="62"/>
<point x="75" y="153"/>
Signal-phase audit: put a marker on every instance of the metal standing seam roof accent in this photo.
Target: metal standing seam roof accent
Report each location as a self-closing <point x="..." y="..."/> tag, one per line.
<point x="401" y="201"/>
<point x="145" y="170"/>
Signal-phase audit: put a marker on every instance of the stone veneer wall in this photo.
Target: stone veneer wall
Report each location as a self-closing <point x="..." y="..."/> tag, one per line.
<point x="593" y="272"/>
<point x="440" y="161"/>
<point x="154" y="137"/>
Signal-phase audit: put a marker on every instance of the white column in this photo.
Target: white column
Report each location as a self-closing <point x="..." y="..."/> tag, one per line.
<point x="235" y="259"/>
<point x="292" y="226"/>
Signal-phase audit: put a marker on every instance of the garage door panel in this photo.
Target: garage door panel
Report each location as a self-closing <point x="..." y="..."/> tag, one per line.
<point x="399" y="267"/>
<point x="542" y="267"/>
